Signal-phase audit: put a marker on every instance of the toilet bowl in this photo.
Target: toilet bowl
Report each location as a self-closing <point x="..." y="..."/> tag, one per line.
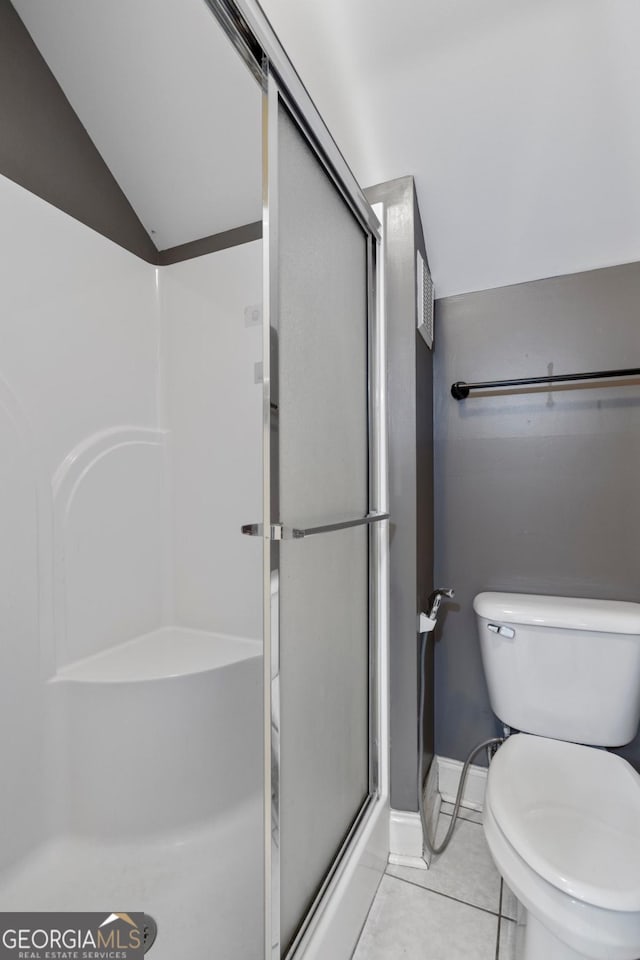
<point x="562" y="822"/>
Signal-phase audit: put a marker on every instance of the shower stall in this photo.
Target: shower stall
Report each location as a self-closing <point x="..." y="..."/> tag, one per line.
<point x="193" y="629"/>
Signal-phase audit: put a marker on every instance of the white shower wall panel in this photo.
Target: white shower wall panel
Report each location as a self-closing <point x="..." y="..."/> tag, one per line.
<point x="214" y="415"/>
<point x="21" y="738"/>
<point x="130" y="428"/>
<point x="79" y="327"/>
<point x="79" y="346"/>
<point x="110" y="525"/>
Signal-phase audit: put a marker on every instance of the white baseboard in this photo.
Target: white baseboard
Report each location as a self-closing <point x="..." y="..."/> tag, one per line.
<point x="406" y="846"/>
<point x="432" y="802"/>
<point x="405" y="827"/>
<point x="449" y="777"/>
<point x="405" y="839"/>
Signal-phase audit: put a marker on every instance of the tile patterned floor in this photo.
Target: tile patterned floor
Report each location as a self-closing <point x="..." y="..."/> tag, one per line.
<point x="459" y="909"/>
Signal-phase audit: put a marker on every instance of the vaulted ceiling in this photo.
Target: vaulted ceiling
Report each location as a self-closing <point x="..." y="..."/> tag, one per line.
<point x="169" y="104"/>
<point x="520" y="120"/>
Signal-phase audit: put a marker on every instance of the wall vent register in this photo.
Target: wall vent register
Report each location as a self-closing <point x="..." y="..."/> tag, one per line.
<point x="425" y="299"/>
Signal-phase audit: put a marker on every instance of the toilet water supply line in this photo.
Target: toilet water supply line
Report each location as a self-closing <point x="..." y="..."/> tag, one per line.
<point x="427" y="623"/>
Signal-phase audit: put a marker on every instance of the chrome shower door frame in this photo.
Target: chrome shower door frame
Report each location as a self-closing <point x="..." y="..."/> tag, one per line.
<point x="333" y="922"/>
<point x="275" y="99"/>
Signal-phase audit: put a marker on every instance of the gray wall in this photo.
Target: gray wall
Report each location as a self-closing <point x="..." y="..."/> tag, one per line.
<point x="409" y="386"/>
<point x="535" y="492"/>
<point x="424" y="507"/>
<point x="45" y="148"/>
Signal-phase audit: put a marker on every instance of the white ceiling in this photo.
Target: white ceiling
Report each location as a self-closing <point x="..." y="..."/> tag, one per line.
<point x="168" y="102"/>
<point x="519" y="119"/>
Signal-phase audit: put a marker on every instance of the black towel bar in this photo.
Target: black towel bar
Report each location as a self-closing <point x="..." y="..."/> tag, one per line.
<point x="461" y="390"/>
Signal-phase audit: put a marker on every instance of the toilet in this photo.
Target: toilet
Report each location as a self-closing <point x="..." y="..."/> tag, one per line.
<point x="562" y="817"/>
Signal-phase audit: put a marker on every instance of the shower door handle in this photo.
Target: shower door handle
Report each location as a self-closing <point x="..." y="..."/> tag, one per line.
<point x="278" y="531"/>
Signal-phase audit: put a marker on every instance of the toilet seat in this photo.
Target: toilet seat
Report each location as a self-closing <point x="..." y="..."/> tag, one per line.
<point x="590" y="931"/>
<point x="572" y="813"/>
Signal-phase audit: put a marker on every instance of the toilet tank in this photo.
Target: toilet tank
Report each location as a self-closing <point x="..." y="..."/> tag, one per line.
<point x="562" y="667"/>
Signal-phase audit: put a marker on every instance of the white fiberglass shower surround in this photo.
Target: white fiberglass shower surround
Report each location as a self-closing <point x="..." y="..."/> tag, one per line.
<point x="193" y="492"/>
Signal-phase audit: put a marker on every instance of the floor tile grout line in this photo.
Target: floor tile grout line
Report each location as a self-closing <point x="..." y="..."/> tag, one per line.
<point x="477" y="823"/>
<point x="375" y="897"/>
<point x="499" y="920"/>
<point x="447" y="896"/>
<point x="502" y="904"/>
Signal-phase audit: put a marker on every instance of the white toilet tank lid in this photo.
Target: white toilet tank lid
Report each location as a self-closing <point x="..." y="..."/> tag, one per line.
<point x="573" y="814"/>
<point x="571" y="613"/>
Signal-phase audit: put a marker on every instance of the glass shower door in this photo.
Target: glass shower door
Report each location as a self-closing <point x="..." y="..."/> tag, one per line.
<point x="320" y="768"/>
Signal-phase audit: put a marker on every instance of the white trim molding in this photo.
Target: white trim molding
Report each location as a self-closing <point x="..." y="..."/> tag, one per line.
<point x="405" y="839"/>
<point x="449" y="772"/>
<point x="405" y="827"/>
